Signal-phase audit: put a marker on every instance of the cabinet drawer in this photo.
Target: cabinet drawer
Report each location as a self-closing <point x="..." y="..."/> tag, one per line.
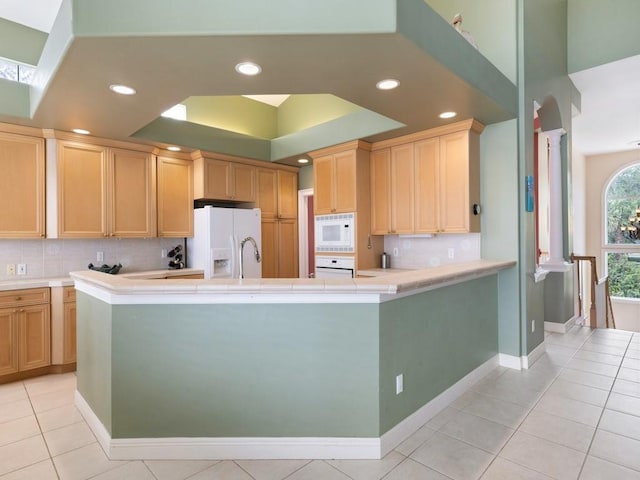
<point x="17" y="298"/>
<point x="68" y="294"/>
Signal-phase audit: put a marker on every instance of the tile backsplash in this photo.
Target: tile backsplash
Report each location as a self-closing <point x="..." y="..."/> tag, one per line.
<point x="49" y="258"/>
<point x="423" y="252"/>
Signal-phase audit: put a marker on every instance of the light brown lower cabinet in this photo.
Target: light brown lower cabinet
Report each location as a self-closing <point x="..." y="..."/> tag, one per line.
<point x="63" y="326"/>
<point x="24" y="330"/>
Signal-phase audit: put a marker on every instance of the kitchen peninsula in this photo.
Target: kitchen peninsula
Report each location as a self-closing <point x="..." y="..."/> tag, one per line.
<point x="279" y="368"/>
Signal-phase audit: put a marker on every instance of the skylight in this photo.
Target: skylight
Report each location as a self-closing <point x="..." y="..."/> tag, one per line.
<point x="177" y="112"/>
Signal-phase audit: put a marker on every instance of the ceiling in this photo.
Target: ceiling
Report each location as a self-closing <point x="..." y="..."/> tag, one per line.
<point x="38" y="14"/>
<point x="347" y="66"/>
<point x="610" y="114"/>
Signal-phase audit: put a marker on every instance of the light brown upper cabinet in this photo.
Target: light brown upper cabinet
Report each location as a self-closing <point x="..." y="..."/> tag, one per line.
<point x="427" y="182"/>
<point x="392" y="190"/>
<point x="459" y="177"/>
<point x="102" y="192"/>
<point x="82" y="184"/>
<point x="175" y="197"/>
<point x="334" y="183"/>
<point x="224" y="180"/>
<point x="132" y="211"/>
<point x="22" y="189"/>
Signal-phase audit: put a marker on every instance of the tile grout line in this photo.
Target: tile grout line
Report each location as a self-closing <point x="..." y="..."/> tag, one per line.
<point x="517" y="429"/>
<point x="603" y="410"/>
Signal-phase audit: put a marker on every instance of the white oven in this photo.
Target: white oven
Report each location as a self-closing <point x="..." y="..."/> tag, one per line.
<point x="335" y="233"/>
<point x="335" y="267"/>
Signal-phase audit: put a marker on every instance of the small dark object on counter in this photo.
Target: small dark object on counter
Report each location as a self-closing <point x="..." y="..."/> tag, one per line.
<point x="106" y="268"/>
<point x="177" y="263"/>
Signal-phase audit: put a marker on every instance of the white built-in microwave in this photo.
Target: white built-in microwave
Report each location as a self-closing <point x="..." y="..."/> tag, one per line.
<point x="335" y="233"/>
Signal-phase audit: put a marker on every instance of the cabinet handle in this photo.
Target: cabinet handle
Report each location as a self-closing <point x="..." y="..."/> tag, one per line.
<point x="18" y="299"/>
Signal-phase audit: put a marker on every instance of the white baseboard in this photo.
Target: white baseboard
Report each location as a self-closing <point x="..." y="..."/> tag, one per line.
<point x="560" y="327"/>
<point x="523" y="362"/>
<point x="407" y="427"/>
<point x="271" y="448"/>
<point x="535" y="354"/>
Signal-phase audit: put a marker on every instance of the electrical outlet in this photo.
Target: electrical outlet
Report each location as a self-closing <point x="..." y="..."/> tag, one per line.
<point x="450" y="253"/>
<point x="163" y="253"/>
<point x="22" y="269"/>
<point x="395" y="251"/>
<point x="100" y="256"/>
<point x="11" y="268"/>
<point x="399" y="384"/>
<point x="533" y="326"/>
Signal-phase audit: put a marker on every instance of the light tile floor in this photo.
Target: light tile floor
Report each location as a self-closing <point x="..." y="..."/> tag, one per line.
<point x="574" y="414"/>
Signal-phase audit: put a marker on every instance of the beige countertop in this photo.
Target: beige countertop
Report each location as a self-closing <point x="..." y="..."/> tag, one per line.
<point x="125" y="288"/>
<point x="19" y="284"/>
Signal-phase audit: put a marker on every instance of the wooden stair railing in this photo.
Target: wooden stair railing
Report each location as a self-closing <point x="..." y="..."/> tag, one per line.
<point x="595" y="285"/>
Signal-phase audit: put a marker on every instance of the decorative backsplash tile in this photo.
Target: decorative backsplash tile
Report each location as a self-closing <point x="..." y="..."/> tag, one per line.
<point x="57" y="257"/>
<point x="424" y="252"/>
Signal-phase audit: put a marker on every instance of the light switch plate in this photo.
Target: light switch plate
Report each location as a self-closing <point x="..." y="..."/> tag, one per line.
<point x="22" y="269"/>
<point x="399" y="384"/>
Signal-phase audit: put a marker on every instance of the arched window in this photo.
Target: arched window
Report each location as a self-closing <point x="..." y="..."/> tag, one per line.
<point x="622" y="233"/>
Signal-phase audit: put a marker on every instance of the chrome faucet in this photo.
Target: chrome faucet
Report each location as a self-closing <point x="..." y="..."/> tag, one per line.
<point x="256" y="253"/>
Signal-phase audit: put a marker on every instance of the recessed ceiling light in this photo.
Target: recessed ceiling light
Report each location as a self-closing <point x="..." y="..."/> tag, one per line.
<point x="387" y="84"/>
<point x="174" y="149"/>
<point x="248" y="68"/>
<point x="81" y="131"/>
<point x="447" y="114"/>
<point x="303" y="160"/>
<point x="122" y="89"/>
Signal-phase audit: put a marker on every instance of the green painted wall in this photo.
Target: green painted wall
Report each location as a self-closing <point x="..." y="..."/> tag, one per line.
<point x="437" y="38"/>
<point x="303" y="111"/>
<point x="93" y="333"/>
<point x="305" y="177"/>
<point x="543" y="64"/>
<point x="602" y="32"/>
<point x="316" y="370"/>
<point x="434" y="339"/>
<point x="148" y="17"/>
<point x="493" y="26"/>
<point x="499" y="238"/>
<point x="15" y="98"/>
<point x="234" y="113"/>
<point x="20" y="43"/>
<point x="245" y="370"/>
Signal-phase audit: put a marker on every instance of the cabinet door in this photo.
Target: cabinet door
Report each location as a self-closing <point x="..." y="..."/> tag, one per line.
<point x="69" y="329"/>
<point x="133" y="194"/>
<point x="8" y="341"/>
<point x="323" y="185"/>
<point x="21" y="186"/>
<point x="380" y="162"/>
<point x="82" y="190"/>
<point x="402" y="188"/>
<point x="345" y="182"/>
<point x="287" y="248"/>
<point x="287" y="194"/>
<point x="34" y="337"/>
<point x="267" y="193"/>
<point x="454" y="182"/>
<point x="217" y="176"/>
<point x="426" y="157"/>
<point x="244" y="183"/>
<point x="175" y="197"/>
<point x="269" y="245"/>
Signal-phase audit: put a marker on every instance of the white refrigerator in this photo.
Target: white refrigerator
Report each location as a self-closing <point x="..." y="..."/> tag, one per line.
<point x="217" y="235"/>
